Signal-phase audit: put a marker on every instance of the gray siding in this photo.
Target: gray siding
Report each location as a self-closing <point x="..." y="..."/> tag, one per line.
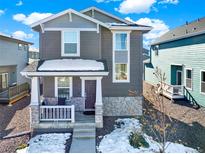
<point x="121" y="89"/>
<point x="102" y="17"/>
<point x="50" y="45"/>
<point x="63" y="22"/>
<point x="48" y="87"/>
<point x="10" y="55"/>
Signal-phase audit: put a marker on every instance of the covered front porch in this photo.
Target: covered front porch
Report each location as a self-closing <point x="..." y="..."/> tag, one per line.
<point x="68" y="97"/>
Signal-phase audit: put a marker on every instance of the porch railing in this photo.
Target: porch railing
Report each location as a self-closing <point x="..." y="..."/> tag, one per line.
<point x="57" y="113"/>
<point x="173" y="89"/>
<point x="13" y="93"/>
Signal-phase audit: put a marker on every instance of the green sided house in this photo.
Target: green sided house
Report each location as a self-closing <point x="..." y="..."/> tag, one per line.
<point x="180" y="54"/>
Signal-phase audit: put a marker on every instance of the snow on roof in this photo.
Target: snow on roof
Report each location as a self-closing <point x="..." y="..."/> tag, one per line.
<point x="71" y="65"/>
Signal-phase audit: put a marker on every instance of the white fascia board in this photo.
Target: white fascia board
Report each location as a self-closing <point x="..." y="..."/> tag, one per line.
<point x="130" y="28"/>
<point x="66" y="12"/>
<point x="64" y="73"/>
<point x="106" y="13"/>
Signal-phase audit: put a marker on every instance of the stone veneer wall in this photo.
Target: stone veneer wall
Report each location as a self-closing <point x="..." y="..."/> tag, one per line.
<point x="35" y="119"/>
<point x="79" y="103"/>
<point x="122" y="106"/>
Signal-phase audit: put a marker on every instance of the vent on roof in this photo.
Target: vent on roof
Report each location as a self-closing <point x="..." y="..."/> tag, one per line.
<point x="187" y="22"/>
<point x="194" y="28"/>
<point x="173" y="34"/>
<point x="186" y="31"/>
<point x="198" y="19"/>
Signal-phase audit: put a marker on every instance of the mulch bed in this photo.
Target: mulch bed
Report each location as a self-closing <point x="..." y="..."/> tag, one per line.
<point x="188" y="122"/>
<point x="13" y="120"/>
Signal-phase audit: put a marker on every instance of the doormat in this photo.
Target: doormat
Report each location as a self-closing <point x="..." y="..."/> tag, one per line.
<point x="89" y="112"/>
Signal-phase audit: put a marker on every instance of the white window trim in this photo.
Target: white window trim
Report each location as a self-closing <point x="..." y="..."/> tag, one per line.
<point x="78" y="43"/>
<point x="203" y="93"/>
<point x="113" y="57"/>
<point x="71" y="86"/>
<point x="191" y="78"/>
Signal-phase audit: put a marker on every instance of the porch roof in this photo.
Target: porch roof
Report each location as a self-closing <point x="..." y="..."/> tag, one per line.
<point x="66" y="67"/>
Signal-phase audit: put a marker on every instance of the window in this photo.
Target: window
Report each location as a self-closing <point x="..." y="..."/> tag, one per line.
<point x="63" y="87"/>
<point x="203" y="82"/>
<point x="121" y="42"/>
<point x="3" y="81"/>
<point x="121" y="71"/>
<point x="189" y="78"/>
<point x="25" y="47"/>
<point x="20" y="46"/>
<point x="70" y="43"/>
<point x="121" y="57"/>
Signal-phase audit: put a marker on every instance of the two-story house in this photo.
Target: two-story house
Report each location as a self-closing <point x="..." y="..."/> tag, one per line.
<point x="13" y="59"/>
<point x="89" y="61"/>
<point x="180" y="54"/>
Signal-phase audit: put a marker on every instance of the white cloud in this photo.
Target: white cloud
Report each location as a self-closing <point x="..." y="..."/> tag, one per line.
<point x="19" y="3"/>
<point x="106" y="1"/>
<point x="169" y="2"/>
<point x="2" y="12"/>
<point x="135" y="6"/>
<point x="31" y="18"/>
<point x="159" y="28"/>
<point x="22" y="35"/>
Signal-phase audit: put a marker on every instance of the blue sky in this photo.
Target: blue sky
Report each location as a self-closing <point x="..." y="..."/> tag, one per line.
<point x="16" y="15"/>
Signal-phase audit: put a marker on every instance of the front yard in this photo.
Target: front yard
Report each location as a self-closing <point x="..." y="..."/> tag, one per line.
<point x="119" y="140"/>
<point x="15" y="119"/>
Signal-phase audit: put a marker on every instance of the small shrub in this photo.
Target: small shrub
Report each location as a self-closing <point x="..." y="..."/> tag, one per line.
<point x="22" y="146"/>
<point x="136" y="140"/>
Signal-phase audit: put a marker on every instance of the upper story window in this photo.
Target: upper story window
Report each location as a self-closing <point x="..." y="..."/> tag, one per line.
<point x="121" y="57"/>
<point x="20" y="46"/>
<point x="25" y="47"/>
<point x="121" y="41"/>
<point x="70" y="43"/>
<point x="189" y="78"/>
<point x="203" y="82"/>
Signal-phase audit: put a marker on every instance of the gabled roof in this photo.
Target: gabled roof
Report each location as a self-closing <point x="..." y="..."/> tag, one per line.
<point x="105" y="13"/>
<point x="128" y="25"/>
<point x="67" y="12"/>
<point x="10" y="38"/>
<point x="191" y="29"/>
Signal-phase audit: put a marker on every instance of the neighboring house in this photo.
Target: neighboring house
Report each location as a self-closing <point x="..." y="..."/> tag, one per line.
<point x="180" y="54"/>
<point x="146" y="54"/>
<point x="13" y="59"/>
<point x="90" y="58"/>
<point x="33" y="55"/>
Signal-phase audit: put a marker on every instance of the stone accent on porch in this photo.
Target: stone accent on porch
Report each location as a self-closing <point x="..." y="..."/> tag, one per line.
<point x="79" y="103"/>
<point x="35" y="119"/>
<point x="122" y="106"/>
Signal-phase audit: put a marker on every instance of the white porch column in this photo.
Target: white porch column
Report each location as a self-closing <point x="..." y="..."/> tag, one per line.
<point x="35" y="91"/>
<point x="35" y="102"/>
<point x="98" y="103"/>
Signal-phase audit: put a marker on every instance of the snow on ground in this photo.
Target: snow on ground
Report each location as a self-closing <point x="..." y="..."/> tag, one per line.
<point x="47" y="143"/>
<point x="71" y="65"/>
<point x="117" y="141"/>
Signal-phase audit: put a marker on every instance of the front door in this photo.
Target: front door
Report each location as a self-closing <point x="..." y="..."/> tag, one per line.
<point x="179" y="78"/>
<point x="90" y="94"/>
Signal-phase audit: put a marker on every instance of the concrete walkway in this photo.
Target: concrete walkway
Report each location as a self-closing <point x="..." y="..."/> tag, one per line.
<point x="83" y="138"/>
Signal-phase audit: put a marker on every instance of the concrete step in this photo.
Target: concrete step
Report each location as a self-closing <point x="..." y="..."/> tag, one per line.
<point x="84" y="134"/>
<point x="84" y="125"/>
<point x="76" y="130"/>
